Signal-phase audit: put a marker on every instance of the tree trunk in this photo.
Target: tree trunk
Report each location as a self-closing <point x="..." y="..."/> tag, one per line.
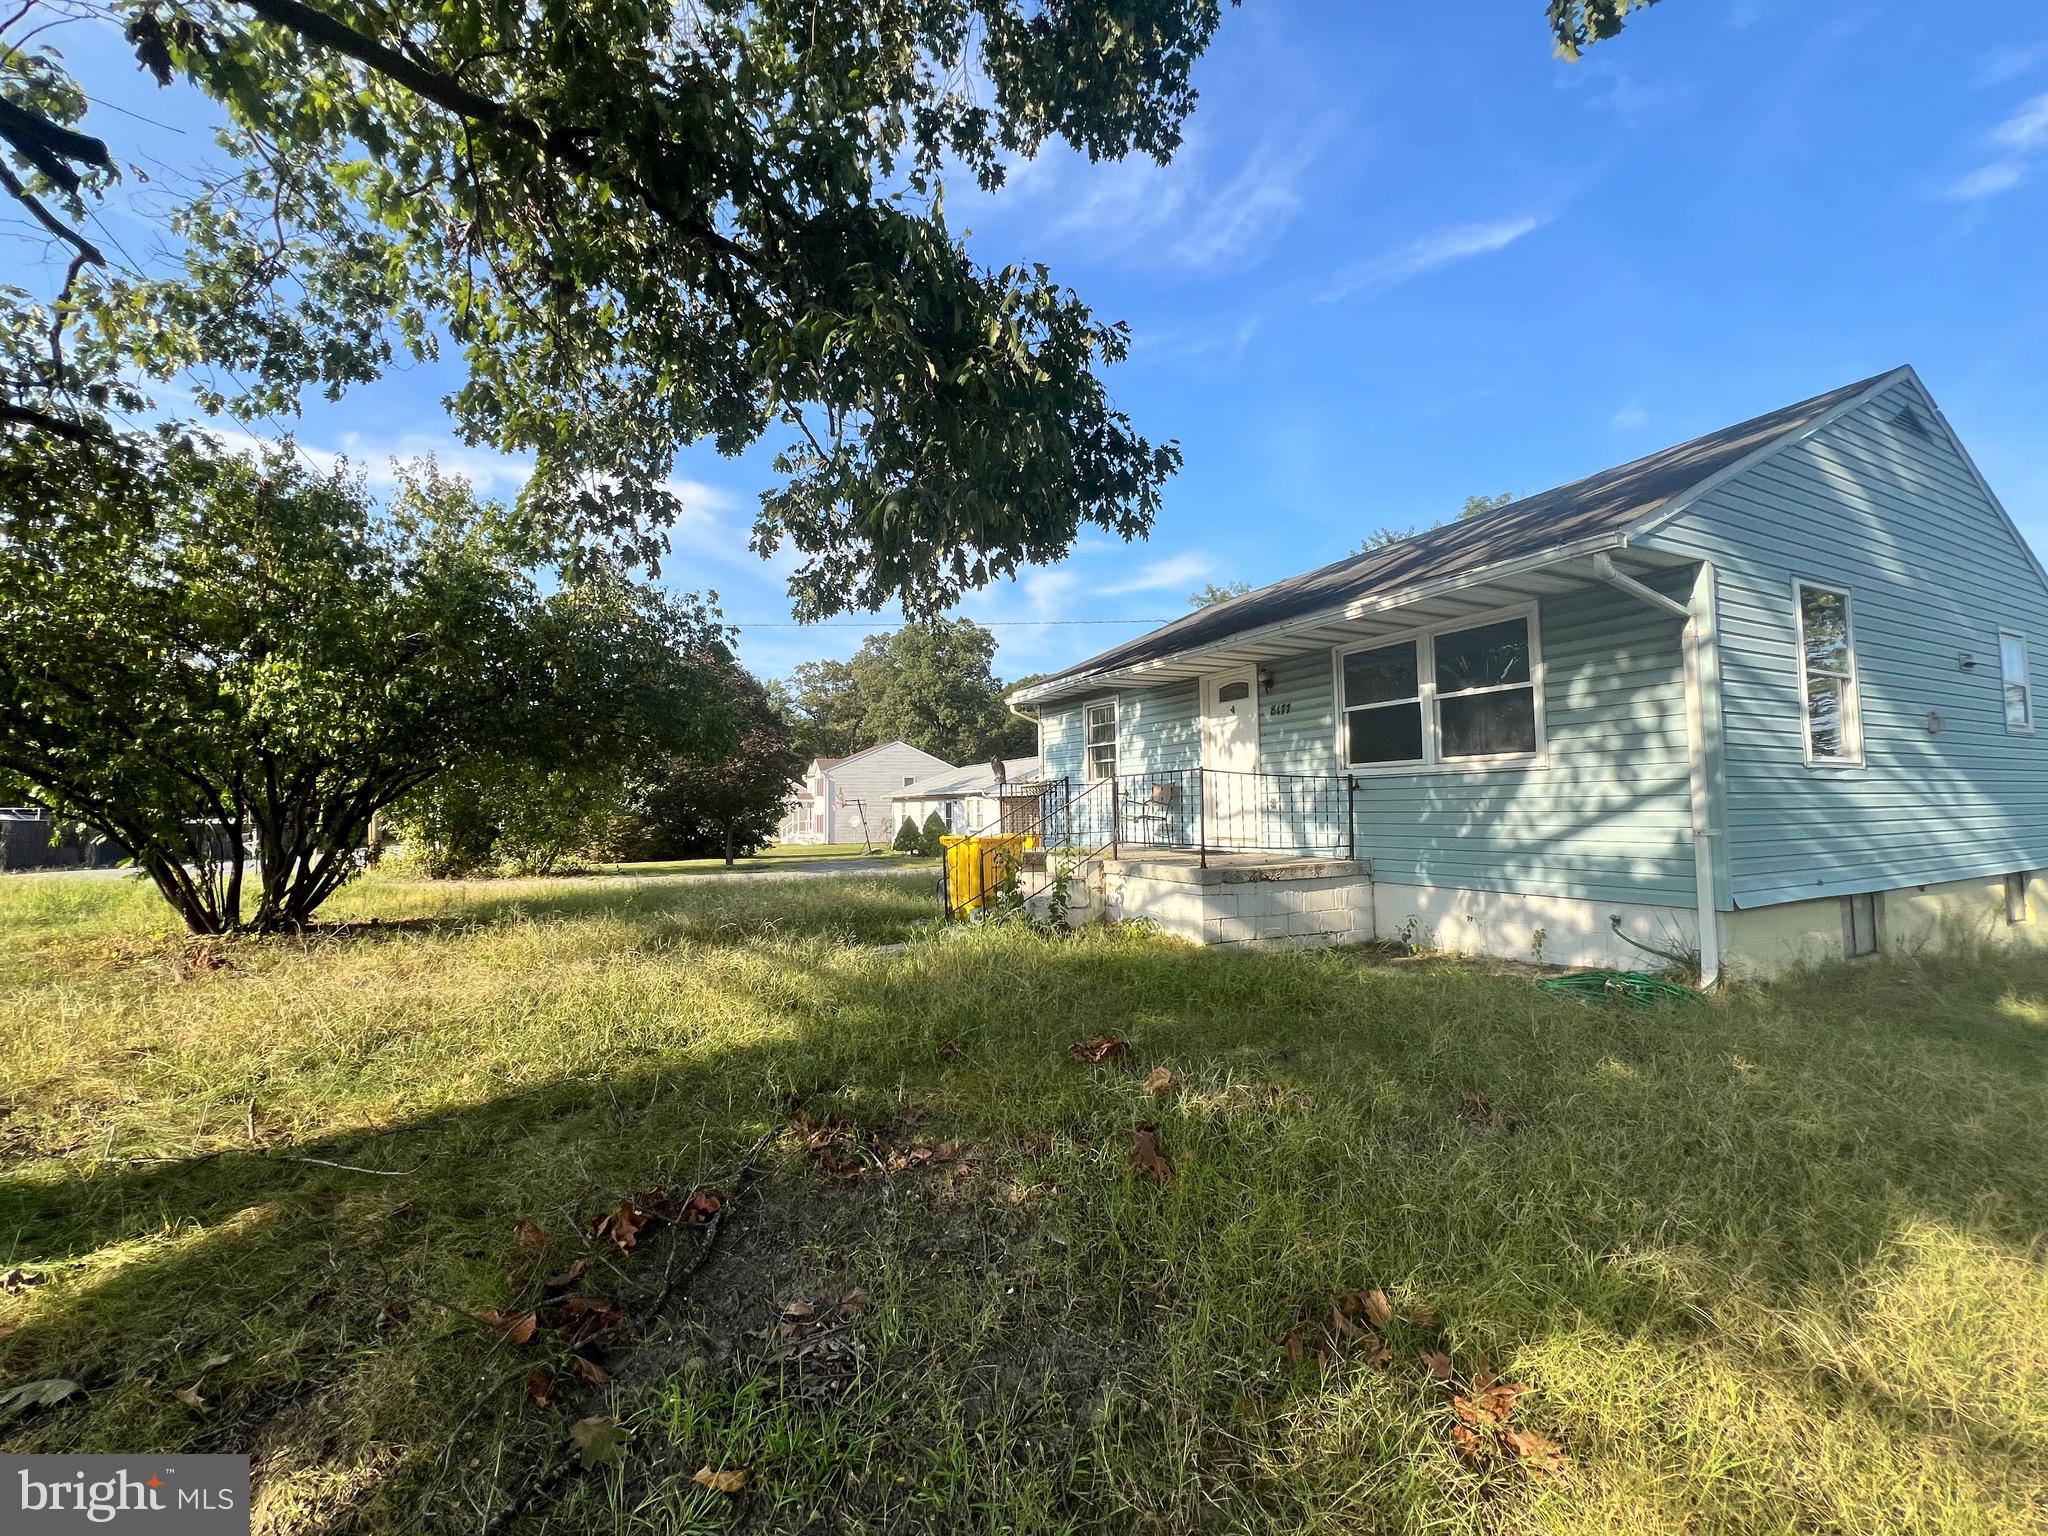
<point x="728" y="845"/>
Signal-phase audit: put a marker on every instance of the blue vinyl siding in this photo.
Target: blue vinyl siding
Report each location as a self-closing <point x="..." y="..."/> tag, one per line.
<point x="1059" y="743"/>
<point x="1608" y="817"/>
<point x="1160" y="729"/>
<point x="1933" y="572"/>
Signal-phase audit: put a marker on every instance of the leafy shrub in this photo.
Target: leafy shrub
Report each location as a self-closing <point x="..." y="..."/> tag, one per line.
<point x="908" y="838"/>
<point x="928" y="841"/>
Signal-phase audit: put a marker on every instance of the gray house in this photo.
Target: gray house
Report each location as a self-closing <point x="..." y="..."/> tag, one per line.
<point x="1765" y="695"/>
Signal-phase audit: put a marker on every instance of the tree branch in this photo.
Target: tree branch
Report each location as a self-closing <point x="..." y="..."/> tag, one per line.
<point x="47" y="145"/>
<point x="66" y="427"/>
<point x="450" y="94"/>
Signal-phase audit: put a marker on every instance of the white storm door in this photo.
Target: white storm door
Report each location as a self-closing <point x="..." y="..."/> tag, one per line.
<point x="1230" y="753"/>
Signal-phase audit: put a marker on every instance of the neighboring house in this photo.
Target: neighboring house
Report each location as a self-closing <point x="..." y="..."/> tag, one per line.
<point x="1766" y="695"/>
<point x="970" y="800"/>
<point x="846" y="799"/>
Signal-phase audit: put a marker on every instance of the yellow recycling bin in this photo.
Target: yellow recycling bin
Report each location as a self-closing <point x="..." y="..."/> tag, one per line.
<point x="977" y="868"/>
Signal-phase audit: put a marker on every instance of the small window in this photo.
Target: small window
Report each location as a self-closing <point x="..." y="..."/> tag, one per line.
<point x="1233" y="693"/>
<point x="1101" y="740"/>
<point x="2017" y="910"/>
<point x="1383" y="706"/>
<point x="1485" y="698"/>
<point x="2019" y="687"/>
<point x="1827" y="673"/>
<point x="909" y="778"/>
<point x="1859" y="924"/>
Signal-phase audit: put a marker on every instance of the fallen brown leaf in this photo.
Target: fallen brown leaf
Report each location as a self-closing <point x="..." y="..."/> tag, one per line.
<point x="589" y="1372"/>
<point x="517" y="1328"/>
<point x="1378" y="1310"/>
<point x="191" y="1399"/>
<point x="656" y="1204"/>
<point x="1437" y="1363"/>
<point x="1470" y="1448"/>
<point x="622" y="1226"/>
<point x="585" y="1317"/>
<point x="1146" y="1156"/>
<point x="1480" y="1111"/>
<point x="731" y="1480"/>
<point x="569" y="1276"/>
<point x="1100" y="1048"/>
<point x="528" y="1237"/>
<point x="1161" y="1080"/>
<point x="853" y="1303"/>
<point x="796" y="1311"/>
<point x="598" y="1439"/>
<point x="540" y="1385"/>
<point x="1537" y="1454"/>
<point x="700" y="1207"/>
<point x="1292" y="1348"/>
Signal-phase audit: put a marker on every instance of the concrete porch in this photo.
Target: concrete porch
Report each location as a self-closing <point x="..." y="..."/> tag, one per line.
<point x="1233" y="897"/>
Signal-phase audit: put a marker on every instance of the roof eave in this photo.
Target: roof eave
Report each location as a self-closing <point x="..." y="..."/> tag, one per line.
<point x="1357" y="608"/>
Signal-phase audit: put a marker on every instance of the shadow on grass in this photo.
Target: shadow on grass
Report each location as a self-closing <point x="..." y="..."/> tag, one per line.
<point x="1661" y="1163"/>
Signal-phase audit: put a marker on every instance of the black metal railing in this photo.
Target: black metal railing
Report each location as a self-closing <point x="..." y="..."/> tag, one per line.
<point x="1213" y="810"/>
<point x="1203" y="811"/>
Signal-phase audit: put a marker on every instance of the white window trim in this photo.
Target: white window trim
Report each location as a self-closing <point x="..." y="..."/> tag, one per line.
<point x="1116" y="708"/>
<point x="2026" y="681"/>
<point x="1852" y="717"/>
<point x="1423" y="639"/>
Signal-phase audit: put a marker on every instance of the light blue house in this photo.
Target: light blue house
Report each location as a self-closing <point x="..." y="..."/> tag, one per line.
<point x="1766" y="695"/>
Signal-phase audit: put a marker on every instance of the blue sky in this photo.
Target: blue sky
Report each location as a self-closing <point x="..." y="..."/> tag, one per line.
<point x="1406" y="255"/>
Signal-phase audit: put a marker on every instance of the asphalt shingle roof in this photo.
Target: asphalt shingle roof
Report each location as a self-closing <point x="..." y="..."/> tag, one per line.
<point x="1604" y="503"/>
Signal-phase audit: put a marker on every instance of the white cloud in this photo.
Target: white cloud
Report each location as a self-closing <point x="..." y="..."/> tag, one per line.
<point x="2027" y="129"/>
<point x="1191" y="212"/>
<point x="1160" y="575"/>
<point x="1987" y="181"/>
<point x="1459" y="243"/>
<point x="1181" y="343"/>
<point x="2009" y="61"/>
<point x="1629" y="417"/>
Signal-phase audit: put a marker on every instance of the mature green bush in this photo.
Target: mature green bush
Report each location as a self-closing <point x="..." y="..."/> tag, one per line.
<point x="909" y="837"/>
<point x="928" y="841"/>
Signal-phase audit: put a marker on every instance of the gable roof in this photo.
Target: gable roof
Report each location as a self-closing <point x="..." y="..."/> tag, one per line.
<point x="1609" y="503"/>
<point x="966" y="781"/>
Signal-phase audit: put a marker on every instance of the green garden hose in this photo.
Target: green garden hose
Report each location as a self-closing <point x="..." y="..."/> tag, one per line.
<point x="1625" y="986"/>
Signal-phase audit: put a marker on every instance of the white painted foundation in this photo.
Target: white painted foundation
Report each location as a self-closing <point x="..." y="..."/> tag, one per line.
<point x="1507" y="926"/>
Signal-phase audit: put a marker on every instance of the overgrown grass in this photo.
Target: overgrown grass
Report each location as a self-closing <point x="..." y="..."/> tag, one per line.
<point x="1771" y="1264"/>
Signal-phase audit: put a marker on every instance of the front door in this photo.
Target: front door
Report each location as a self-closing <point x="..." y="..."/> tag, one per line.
<point x="1230" y="753"/>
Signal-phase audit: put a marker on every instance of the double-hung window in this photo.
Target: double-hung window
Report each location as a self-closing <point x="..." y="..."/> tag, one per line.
<point x="1827" y="674"/>
<point x="1099" y="721"/>
<point x="1454" y="696"/>
<point x="2019" y="687"/>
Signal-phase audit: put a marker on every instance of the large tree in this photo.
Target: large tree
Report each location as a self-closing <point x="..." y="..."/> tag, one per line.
<point x="231" y="665"/>
<point x="641" y="226"/>
<point x="930" y="684"/>
<point x="727" y="799"/>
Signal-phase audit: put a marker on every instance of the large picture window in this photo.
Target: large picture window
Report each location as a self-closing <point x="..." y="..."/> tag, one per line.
<point x="1453" y="696"/>
<point x="1100" y="725"/>
<point x="1827" y="672"/>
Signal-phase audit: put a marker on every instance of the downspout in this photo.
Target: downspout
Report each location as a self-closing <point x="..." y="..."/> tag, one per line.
<point x="1696" y="757"/>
